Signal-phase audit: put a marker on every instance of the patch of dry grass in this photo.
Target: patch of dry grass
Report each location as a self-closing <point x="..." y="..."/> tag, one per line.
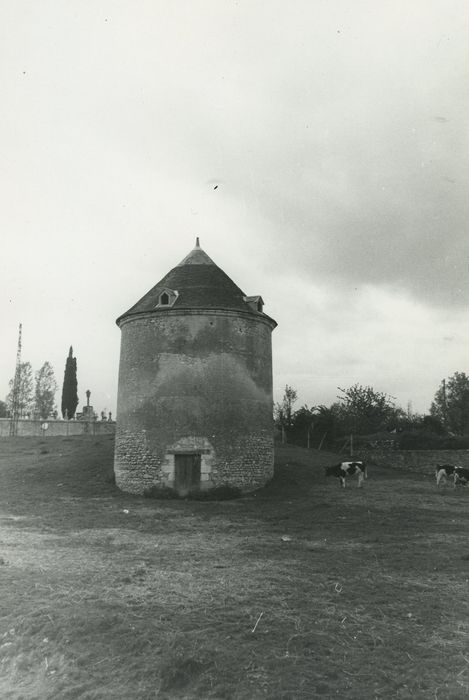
<point x="302" y="590"/>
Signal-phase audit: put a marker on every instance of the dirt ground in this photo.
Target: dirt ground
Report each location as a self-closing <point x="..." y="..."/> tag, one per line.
<point x="301" y="590"/>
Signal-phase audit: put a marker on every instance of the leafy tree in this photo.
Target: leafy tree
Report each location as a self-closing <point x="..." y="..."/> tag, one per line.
<point x="362" y="410"/>
<point x="301" y="428"/>
<point x="70" y="387"/>
<point x="408" y="422"/>
<point x="3" y="409"/>
<point x="432" y="424"/>
<point x="313" y="426"/>
<point x="24" y="389"/>
<point x="46" y="387"/>
<point x="451" y="404"/>
<point x="326" y="424"/>
<point x="283" y="411"/>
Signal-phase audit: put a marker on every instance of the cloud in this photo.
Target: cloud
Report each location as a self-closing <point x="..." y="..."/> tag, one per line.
<point x="367" y="335"/>
<point x="336" y="146"/>
<point x="337" y="135"/>
<point x="383" y="201"/>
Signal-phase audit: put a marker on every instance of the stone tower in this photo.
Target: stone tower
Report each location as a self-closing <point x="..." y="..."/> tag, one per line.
<point x="194" y="407"/>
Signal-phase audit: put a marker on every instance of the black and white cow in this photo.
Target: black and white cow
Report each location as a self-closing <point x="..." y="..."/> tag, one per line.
<point x="344" y="469"/>
<point x="443" y="472"/>
<point x="461" y="476"/>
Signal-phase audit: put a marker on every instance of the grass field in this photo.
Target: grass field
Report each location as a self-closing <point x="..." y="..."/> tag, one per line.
<point x="303" y="590"/>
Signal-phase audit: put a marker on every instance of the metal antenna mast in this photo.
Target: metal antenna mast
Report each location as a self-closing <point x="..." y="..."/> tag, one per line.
<point x="15" y="394"/>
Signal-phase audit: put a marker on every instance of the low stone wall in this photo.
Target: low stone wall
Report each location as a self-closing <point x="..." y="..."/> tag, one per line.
<point x="34" y="428"/>
<point x="423" y="461"/>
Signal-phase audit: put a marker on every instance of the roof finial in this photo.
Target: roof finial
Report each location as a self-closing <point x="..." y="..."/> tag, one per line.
<point x="197" y="245"/>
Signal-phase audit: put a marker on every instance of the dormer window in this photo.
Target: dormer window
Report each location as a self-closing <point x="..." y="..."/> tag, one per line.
<point x="255" y="303"/>
<point x="166" y="298"/>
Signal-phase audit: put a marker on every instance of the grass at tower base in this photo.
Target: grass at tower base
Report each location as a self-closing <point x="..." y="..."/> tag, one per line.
<point x="300" y="590"/>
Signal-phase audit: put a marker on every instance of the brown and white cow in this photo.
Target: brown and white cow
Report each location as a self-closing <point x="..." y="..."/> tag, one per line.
<point x="344" y="469"/>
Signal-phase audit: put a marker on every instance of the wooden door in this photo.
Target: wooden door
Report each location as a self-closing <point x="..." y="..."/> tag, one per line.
<point x="186" y="473"/>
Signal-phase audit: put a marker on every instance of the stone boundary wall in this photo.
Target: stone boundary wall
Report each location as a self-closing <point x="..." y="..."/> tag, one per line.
<point x="423" y="461"/>
<point x="33" y="428"/>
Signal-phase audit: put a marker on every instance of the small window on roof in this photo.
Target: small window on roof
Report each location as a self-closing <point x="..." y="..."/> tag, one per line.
<point x="256" y="303"/>
<point x="167" y="297"/>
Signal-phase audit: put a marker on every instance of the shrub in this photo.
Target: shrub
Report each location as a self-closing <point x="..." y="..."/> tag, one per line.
<point x="432" y="441"/>
<point x="160" y="492"/>
<point x="219" y="493"/>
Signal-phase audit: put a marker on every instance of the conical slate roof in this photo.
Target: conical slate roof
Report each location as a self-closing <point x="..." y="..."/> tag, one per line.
<point x="199" y="284"/>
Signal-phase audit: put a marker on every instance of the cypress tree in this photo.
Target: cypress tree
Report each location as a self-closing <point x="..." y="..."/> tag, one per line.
<point x="70" y="387"/>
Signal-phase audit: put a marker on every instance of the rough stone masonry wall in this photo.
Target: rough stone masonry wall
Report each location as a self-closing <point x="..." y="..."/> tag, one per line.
<point x="136" y="468"/>
<point x="33" y="428"/>
<point x="423" y="461"/>
<point x="193" y="377"/>
<point x="249" y="465"/>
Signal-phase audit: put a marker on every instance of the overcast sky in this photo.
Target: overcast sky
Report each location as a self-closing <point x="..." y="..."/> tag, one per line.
<point x="336" y="132"/>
